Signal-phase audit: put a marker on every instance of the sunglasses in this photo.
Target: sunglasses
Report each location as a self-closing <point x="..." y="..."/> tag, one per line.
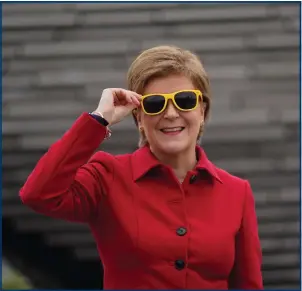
<point x="185" y="100"/>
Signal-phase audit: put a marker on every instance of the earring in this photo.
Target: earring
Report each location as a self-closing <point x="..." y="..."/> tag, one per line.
<point x="141" y="129"/>
<point x="201" y="128"/>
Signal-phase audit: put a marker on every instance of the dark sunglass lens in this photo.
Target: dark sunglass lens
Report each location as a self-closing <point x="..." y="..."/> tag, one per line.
<point x="154" y="103"/>
<point x="186" y="100"/>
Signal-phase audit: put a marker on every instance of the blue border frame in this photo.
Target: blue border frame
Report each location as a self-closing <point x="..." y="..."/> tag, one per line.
<point x="144" y="1"/>
<point x="208" y="2"/>
<point x="1" y="155"/>
<point x="300" y="66"/>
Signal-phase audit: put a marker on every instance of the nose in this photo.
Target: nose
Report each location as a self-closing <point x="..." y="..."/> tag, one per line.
<point x="171" y="112"/>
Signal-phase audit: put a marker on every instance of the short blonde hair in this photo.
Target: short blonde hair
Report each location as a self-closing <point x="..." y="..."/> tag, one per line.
<point x="162" y="61"/>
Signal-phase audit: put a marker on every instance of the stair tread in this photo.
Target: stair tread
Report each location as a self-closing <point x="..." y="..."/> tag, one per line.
<point x="58" y="58"/>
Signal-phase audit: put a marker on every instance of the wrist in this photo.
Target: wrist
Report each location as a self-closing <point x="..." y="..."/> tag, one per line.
<point x="102" y="121"/>
<point x="103" y="115"/>
<point x="100" y="118"/>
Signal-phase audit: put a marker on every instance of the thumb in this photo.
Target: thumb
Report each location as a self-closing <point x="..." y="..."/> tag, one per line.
<point x="121" y="112"/>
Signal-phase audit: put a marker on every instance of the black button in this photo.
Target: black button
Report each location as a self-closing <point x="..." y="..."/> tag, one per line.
<point x="193" y="179"/>
<point x="181" y="231"/>
<point x="179" y="264"/>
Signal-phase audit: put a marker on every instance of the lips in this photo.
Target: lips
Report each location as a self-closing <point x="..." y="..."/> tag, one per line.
<point x="172" y="129"/>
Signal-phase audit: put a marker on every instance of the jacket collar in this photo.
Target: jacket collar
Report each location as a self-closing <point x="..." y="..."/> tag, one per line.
<point x="143" y="161"/>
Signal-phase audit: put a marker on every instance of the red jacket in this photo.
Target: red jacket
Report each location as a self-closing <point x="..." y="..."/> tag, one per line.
<point x="151" y="231"/>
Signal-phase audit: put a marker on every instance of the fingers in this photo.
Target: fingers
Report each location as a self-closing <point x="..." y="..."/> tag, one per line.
<point x="136" y="99"/>
<point x="116" y="103"/>
<point x="124" y="97"/>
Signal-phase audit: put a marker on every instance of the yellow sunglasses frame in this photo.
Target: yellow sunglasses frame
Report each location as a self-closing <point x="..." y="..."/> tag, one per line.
<point x="171" y="96"/>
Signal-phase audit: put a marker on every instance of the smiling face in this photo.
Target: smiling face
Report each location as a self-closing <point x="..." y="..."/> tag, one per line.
<point x="172" y="131"/>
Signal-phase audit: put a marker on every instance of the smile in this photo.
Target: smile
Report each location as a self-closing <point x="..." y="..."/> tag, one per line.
<point x="172" y="130"/>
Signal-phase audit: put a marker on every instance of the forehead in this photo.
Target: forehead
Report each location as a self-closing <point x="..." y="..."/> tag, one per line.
<point x="168" y="84"/>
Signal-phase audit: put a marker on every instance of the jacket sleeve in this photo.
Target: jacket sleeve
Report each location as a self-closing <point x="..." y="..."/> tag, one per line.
<point x="246" y="273"/>
<point x="69" y="180"/>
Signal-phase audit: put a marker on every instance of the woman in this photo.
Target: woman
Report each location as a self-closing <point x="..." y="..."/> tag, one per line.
<point x="163" y="217"/>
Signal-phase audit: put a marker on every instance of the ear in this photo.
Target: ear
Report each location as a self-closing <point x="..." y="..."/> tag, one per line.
<point x="204" y="106"/>
<point x="137" y="117"/>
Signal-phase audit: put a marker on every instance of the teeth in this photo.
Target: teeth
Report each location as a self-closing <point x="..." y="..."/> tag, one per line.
<point x="172" y="129"/>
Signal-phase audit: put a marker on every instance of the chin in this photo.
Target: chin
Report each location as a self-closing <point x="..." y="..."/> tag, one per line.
<point x="173" y="147"/>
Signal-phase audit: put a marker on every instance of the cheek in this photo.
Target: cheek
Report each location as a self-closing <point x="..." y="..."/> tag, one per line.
<point x="194" y="120"/>
<point x="149" y="122"/>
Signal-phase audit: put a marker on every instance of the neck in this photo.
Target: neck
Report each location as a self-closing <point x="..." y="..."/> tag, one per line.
<point x="180" y="163"/>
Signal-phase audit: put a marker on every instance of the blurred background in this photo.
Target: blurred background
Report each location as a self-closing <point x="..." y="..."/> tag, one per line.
<point x="57" y="58"/>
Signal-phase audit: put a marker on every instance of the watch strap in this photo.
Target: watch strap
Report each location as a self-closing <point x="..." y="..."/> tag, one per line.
<point x="100" y="119"/>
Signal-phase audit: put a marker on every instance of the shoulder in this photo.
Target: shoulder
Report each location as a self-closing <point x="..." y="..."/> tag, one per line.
<point x="108" y="158"/>
<point x="225" y="178"/>
<point x="233" y="184"/>
<point x="228" y="178"/>
<point x="113" y="163"/>
<point x="237" y="190"/>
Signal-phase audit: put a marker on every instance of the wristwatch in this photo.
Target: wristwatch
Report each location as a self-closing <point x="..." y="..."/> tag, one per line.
<point x="103" y="122"/>
<point x="100" y="118"/>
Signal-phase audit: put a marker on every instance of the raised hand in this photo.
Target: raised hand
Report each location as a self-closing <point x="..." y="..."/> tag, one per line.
<point x="117" y="103"/>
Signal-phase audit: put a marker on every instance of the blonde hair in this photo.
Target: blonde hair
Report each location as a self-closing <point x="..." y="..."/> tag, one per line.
<point x="162" y="61"/>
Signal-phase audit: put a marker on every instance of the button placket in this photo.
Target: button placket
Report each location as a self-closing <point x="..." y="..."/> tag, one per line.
<point x="179" y="265"/>
<point x="181" y="231"/>
<point x="192" y="179"/>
